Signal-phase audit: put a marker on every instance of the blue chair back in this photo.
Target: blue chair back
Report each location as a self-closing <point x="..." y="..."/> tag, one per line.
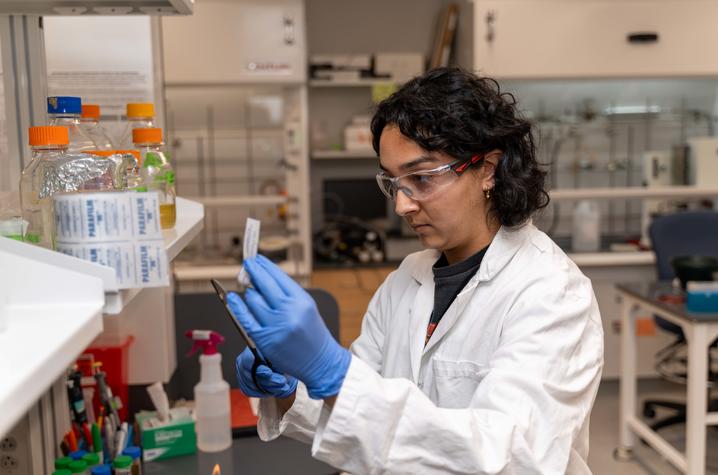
<point x="682" y="234"/>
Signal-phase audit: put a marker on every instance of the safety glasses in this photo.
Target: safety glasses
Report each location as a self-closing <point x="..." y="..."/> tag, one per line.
<point x="423" y="184"/>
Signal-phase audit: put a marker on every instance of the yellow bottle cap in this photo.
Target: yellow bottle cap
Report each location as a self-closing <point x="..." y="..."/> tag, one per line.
<point x="146" y="109"/>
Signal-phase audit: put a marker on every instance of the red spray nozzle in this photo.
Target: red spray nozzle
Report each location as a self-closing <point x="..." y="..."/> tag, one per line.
<point x="207" y="340"/>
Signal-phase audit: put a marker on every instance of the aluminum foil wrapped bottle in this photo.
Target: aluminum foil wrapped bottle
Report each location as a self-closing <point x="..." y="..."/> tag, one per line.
<point x="53" y="169"/>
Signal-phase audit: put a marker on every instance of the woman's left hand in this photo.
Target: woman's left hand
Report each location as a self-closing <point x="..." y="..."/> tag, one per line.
<point x="283" y="320"/>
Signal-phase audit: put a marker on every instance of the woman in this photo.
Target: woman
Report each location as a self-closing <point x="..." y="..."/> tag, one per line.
<point x="480" y="354"/>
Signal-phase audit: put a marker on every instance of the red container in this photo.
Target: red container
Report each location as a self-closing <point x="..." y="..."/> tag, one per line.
<point x="112" y="352"/>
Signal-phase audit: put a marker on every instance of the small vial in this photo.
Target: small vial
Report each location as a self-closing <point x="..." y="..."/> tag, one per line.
<point x="136" y="454"/>
<point x="63" y="463"/>
<point x="123" y="465"/>
<point x="78" y="454"/>
<point x="101" y="470"/>
<point x="79" y="466"/>
<point x="91" y="460"/>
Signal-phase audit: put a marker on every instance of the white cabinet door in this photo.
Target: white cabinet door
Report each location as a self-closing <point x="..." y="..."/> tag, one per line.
<point x="240" y="41"/>
<point x="588" y="38"/>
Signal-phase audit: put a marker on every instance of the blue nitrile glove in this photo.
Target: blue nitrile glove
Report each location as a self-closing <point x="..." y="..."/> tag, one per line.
<point x="284" y="322"/>
<point x="275" y="384"/>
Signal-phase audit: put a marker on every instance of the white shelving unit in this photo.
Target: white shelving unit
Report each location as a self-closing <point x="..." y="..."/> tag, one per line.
<point x="343" y="154"/>
<point x="97" y="7"/>
<point x="52" y="313"/>
<point x="667" y="192"/>
<point x="55" y="310"/>
<point x="357" y="83"/>
<point x="240" y="200"/>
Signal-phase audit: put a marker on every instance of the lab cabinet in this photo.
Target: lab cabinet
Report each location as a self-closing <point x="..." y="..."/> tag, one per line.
<point x="587" y="38"/>
<point x="243" y="41"/>
<point x="352" y="289"/>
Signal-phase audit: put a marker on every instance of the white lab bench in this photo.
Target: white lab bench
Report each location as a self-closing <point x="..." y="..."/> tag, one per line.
<point x="700" y="331"/>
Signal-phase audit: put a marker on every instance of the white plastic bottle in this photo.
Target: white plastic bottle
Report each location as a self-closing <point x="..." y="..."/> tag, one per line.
<point x="586" y="236"/>
<point x="211" y="395"/>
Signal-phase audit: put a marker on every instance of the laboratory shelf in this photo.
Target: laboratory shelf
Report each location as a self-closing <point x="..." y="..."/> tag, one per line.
<point x="240" y="200"/>
<point x="39" y="344"/>
<point x="96" y="7"/>
<point x="50" y="314"/>
<point x="349" y="83"/>
<point x="633" y="192"/>
<point x="368" y="154"/>
<point x="190" y="220"/>
<point x="199" y="272"/>
<point x="612" y="258"/>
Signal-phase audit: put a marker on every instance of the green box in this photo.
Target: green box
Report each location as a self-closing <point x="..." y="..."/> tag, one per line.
<point x="169" y="439"/>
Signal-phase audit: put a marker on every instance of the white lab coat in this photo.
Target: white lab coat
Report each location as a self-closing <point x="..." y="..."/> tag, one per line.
<point x="505" y="384"/>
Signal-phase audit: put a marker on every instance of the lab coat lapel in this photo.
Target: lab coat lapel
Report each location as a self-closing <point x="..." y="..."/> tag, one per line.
<point x="455" y="310"/>
<point x="501" y="250"/>
<point x="420" y="312"/>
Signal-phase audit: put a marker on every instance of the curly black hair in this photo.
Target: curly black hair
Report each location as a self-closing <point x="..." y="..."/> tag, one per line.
<point x="456" y="112"/>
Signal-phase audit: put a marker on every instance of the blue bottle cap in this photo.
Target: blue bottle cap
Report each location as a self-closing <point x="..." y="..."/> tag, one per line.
<point x="78" y="454"/>
<point x="132" y="451"/>
<point x="101" y="470"/>
<point x="64" y="105"/>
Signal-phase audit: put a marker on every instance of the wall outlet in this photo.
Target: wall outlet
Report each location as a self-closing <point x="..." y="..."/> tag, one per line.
<point x="8" y="444"/>
<point x="9" y="464"/>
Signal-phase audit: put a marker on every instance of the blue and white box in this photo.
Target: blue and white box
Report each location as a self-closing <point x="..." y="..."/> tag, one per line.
<point x="115" y="229"/>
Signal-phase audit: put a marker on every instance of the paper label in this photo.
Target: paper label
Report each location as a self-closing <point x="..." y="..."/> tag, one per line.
<point x="251" y="243"/>
<point x="119" y="230"/>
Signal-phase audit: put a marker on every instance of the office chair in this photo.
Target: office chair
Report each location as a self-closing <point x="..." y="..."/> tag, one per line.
<point x="680" y="234"/>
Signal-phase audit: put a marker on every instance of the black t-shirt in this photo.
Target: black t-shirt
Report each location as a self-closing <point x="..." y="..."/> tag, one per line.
<point x="448" y="282"/>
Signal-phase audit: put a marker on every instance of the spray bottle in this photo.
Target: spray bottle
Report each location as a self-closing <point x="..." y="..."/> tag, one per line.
<point x="211" y="394"/>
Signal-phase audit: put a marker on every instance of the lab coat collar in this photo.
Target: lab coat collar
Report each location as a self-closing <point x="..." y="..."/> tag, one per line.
<point x="503" y="247"/>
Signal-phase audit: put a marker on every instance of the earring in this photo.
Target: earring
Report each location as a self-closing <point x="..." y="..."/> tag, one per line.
<point x="487" y="193"/>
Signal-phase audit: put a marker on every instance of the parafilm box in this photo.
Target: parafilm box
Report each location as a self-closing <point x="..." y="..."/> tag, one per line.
<point x="163" y="440"/>
<point x="114" y="229"/>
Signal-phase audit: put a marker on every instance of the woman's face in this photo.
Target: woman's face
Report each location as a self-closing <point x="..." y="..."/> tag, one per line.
<point x="448" y="219"/>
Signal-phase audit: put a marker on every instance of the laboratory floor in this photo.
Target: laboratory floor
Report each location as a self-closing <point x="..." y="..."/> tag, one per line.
<point x="604" y="433"/>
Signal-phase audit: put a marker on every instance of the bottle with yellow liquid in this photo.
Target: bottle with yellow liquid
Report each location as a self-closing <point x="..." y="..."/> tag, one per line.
<point x="156" y="173"/>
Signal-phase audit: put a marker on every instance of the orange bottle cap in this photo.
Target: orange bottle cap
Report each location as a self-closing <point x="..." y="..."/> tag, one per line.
<point x="107" y="153"/>
<point x="146" y="109"/>
<point x="147" y="135"/>
<point x="49" y="135"/>
<point x="90" y="111"/>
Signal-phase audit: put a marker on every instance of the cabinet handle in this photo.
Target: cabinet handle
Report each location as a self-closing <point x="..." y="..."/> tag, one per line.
<point x="642" y="37"/>
<point x="490" y="26"/>
<point x="288" y="30"/>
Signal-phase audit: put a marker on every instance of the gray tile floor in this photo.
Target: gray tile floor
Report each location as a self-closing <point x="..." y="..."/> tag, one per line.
<point x="604" y="434"/>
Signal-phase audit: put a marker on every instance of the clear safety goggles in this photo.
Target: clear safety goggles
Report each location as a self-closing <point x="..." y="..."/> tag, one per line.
<point x="421" y="185"/>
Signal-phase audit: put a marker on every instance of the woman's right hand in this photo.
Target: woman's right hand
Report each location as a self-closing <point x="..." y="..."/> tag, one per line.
<point x="275" y="384"/>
